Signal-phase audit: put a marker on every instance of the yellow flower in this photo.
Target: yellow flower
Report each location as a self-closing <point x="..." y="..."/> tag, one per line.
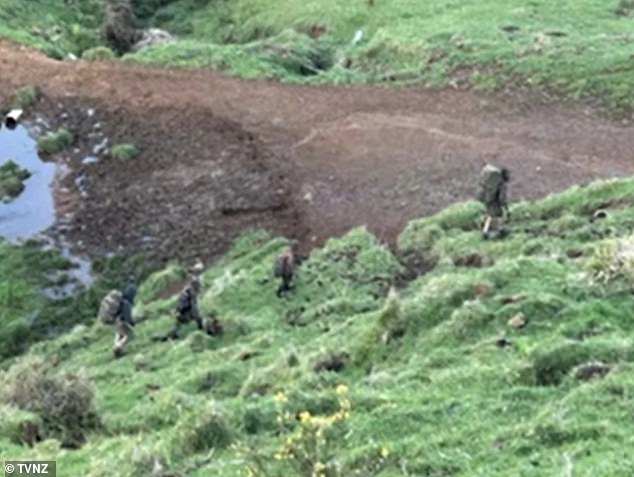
<point x="305" y="416"/>
<point x="342" y="389"/>
<point x="281" y="397"/>
<point x="385" y="452"/>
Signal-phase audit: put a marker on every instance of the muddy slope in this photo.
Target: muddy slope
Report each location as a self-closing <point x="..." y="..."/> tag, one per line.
<point x="220" y="154"/>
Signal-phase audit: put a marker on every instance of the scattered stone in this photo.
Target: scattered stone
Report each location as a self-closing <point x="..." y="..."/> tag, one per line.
<point x="90" y="112"/>
<point x="101" y="147"/>
<point x="518" y="321"/>
<point x="90" y="160"/>
<point x="589" y="371"/>
<point x="152" y="37"/>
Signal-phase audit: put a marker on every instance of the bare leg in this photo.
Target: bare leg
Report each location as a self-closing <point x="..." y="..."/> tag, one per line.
<point x="487" y="226"/>
<point x="121" y="339"/>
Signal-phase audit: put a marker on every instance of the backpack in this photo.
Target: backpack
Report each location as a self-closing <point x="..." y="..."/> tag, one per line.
<point x="184" y="302"/>
<point x="283" y="265"/>
<point x="110" y="306"/>
<point x="491" y="179"/>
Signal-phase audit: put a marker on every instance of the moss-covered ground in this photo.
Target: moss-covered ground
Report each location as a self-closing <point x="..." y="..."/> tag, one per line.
<point x="438" y="377"/>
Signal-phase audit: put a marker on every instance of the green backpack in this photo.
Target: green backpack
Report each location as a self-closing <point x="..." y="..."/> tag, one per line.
<point x="110" y="307"/>
<point x="491" y="179"/>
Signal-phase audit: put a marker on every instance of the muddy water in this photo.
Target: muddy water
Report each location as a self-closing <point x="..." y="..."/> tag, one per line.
<point x="33" y="211"/>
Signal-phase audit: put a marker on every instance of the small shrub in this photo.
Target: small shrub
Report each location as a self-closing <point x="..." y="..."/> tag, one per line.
<point x="64" y="402"/>
<point x="258" y="418"/>
<point x="99" y="53"/>
<point x="625" y="8"/>
<point x="203" y="431"/>
<point x="25" y="97"/>
<point x="11" y="180"/>
<point x="312" y="445"/>
<point x="21" y="427"/>
<point x="551" y="366"/>
<point x="613" y="260"/>
<point x="125" y="152"/>
<point x="55" y="142"/>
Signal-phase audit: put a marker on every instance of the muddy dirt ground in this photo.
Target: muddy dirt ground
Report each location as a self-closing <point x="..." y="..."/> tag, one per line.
<point x="221" y="154"/>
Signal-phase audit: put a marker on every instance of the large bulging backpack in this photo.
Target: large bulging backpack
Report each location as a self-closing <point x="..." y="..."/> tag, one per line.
<point x="283" y="265"/>
<point x="491" y="179"/>
<point x="110" y="307"/>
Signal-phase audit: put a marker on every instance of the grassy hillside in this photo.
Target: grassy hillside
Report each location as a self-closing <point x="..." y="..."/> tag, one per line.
<point x="576" y="48"/>
<point x="435" y="378"/>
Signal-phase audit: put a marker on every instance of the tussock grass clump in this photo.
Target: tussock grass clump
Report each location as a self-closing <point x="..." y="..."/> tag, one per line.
<point x="12" y="178"/>
<point x="25" y="97"/>
<point x="203" y="430"/>
<point x="625" y="8"/>
<point x="158" y="283"/>
<point x="551" y="366"/>
<point x="124" y="152"/>
<point x="613" y="260"/>
<point x="99" y="53"/>
<point x="21" y="427"/>
<point x="55" y="142"/>
<point x="64" y="402"/>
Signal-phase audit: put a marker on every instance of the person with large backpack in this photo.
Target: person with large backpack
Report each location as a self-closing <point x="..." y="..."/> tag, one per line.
<point x="493" y="194"/>
<point x="284" y="269"/>
<point x="116" y="309"/>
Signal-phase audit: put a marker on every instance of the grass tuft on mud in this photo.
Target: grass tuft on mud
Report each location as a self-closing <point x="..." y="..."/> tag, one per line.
<point x="386" y="370"/>
<point x="12" y="178"/>
<point x="124" y="152"/>
<point x="55" y="142"/>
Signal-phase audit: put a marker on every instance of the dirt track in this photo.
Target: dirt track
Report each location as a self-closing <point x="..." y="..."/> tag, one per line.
<point x="221" y="154"/>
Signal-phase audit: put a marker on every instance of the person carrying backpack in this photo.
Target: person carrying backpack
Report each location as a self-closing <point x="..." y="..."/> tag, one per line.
<point x="116" y="309"/>
<point x="493" y="194"/>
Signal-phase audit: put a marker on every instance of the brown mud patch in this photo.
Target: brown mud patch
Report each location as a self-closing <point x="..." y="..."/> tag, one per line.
<point x="220" y="155"/>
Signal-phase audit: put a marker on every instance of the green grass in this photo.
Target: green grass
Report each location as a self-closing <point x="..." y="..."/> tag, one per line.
<point x="98" y="53"/>
<point x="125" y="152"/>
<point x="55" y="26"/>
<point x="576" y="48"/>
<point x="432" y="387"/>
<point x="55" y="142"/>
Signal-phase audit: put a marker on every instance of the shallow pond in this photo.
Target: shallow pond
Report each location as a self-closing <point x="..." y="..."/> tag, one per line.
<point x="33" y="211"/>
